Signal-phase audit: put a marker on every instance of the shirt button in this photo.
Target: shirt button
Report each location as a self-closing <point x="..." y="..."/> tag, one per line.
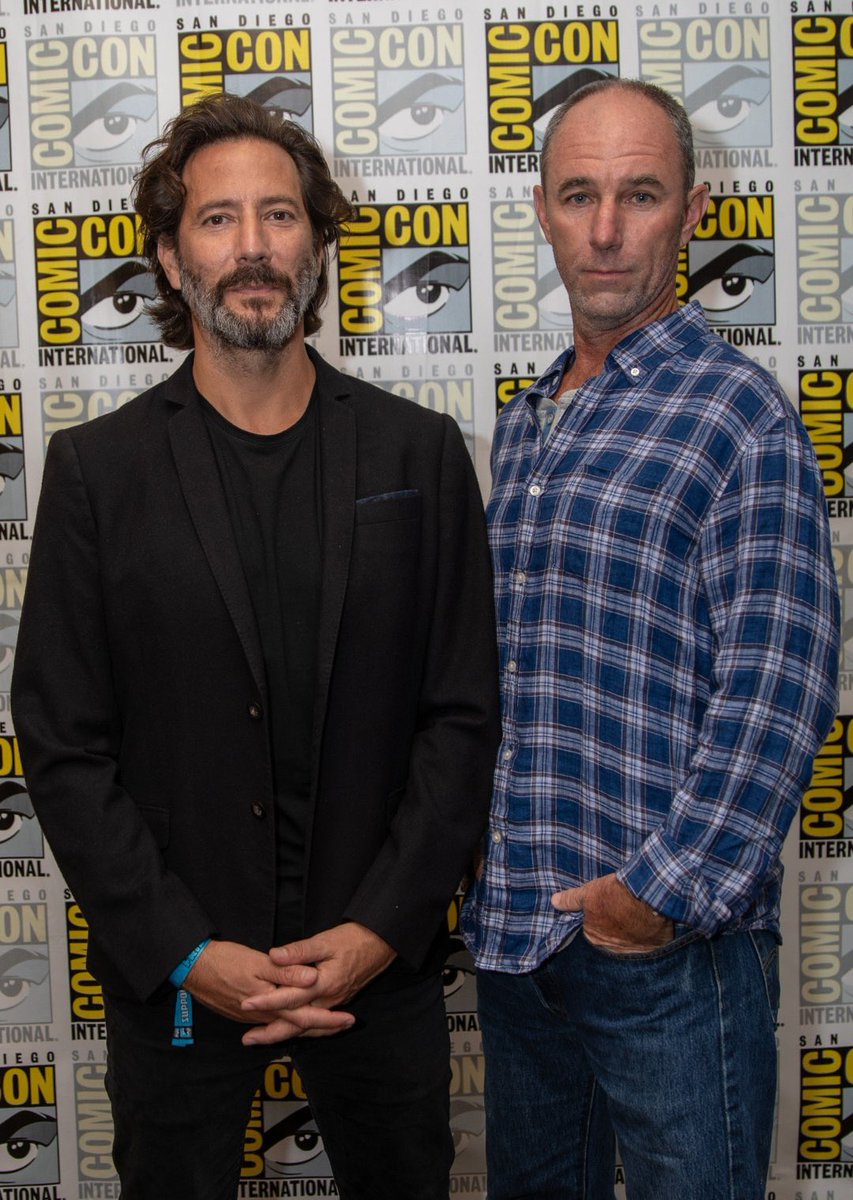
<point x="512" y="666"/>
<point x="520" y="577"/>
<point x="497" y="836"/>
<point x="258" y="810"/>
<point x="535" y="489"/>
<point x="507" y="755"/>
<point x="255" y="711"/>
<point x="635" y="371"/>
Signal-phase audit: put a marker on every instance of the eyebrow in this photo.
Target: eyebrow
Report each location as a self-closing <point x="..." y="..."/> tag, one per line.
<point x="582" y="181"/>
<point x="231" y="202"/>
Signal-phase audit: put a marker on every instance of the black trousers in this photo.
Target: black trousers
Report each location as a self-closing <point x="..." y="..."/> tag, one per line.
<point x="378" y="1094"/>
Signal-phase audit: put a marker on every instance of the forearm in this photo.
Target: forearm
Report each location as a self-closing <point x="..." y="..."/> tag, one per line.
<point x="771" y="593"/>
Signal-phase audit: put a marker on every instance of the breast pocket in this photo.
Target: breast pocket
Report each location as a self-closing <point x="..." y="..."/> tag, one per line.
<point x="387" y="542"/>
<point x="388" y="506"/>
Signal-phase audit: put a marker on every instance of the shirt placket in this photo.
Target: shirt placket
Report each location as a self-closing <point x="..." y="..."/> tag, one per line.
<point x="533" y="484"/>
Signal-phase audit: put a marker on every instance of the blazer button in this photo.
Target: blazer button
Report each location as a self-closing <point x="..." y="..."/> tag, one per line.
<point x="255" y="711"/>
<point x="258" y="810"/>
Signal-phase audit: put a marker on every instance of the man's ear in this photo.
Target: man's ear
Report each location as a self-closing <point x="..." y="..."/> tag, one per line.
<point x="698" y="199"/>
<point x="539" y="205"/>
<point x="168" y="257"/>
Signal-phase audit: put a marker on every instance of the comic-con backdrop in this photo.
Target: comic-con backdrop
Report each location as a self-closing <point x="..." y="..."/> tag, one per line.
<point x="432" y="117"/>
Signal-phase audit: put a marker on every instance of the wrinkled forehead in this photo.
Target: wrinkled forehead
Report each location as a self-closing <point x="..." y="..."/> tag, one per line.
<point x="615" y="133"/>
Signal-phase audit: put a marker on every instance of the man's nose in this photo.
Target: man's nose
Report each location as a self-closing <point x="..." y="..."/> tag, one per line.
<point x="607" y="226"/>
<point x="252" y="241"/>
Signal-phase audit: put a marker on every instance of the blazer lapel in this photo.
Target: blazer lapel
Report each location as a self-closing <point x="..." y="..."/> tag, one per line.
<point x="338" y="467"/>
<point x="202" y="490"/>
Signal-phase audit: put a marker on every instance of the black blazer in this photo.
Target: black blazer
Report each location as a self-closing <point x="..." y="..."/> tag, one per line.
<point x="139" y="696"/>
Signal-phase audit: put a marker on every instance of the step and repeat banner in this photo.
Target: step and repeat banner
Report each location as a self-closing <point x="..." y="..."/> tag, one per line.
<point x="431" y="116"/>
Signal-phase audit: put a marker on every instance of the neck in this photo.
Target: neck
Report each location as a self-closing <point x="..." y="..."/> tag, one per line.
<point x="257" y="391"/>
<point x="593" y="343"/>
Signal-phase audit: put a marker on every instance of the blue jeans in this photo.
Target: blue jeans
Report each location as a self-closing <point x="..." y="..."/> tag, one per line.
<point x="673" y="1051"/>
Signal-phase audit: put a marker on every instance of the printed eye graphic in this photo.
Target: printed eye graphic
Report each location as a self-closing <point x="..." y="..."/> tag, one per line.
<point x="420" y="108"/>
<point x="845" y="115"/>
<point x="293" y="1141"/>
<point x="112" y="119"/>
<point x="457" y="969"/>
<point x="546" y="104"/>
<point x="22" y="1136"/>
<point x="467" y="1124"/>
<point x="289" y="98"/>
<point x="7" y="287"/>
<point x="20" y="971"/>
<point x="845" y="290"/>
<point x="11" y="463"/>
<point x="726" y="101"/>
<point x="423" y="288"/>
<point x="554" y="299"/>
<point x="8" y="637"/>
<point x="453" y="978"/>
<point x="15" y="808"/>
<point x="729" y="280"/>
<point x="118" y="299"/>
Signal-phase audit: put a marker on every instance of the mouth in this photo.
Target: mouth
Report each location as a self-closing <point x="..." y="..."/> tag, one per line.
<point x="606" y="275"/>
<point x="252" y="292"/>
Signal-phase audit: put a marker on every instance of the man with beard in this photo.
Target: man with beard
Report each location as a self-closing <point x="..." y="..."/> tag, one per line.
<point x="256" y="695"/>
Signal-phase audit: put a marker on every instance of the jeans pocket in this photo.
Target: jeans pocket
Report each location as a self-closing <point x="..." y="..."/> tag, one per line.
<point x="766" y="947"/>
<point x="665" y="951"/>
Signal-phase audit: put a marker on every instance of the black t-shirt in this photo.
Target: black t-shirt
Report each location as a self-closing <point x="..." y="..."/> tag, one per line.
<point x="272" y="490"/>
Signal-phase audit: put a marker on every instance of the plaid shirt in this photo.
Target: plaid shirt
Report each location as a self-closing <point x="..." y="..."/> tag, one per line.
<point x="668" y="622"/>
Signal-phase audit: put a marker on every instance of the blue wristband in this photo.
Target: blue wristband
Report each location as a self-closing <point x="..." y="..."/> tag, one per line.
<point x="183" y="969"/>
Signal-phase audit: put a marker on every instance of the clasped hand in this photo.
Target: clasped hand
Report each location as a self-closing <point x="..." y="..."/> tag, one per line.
<point x="294" y="990"/>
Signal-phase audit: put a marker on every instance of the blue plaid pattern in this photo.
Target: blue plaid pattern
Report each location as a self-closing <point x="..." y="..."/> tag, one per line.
<point x="668" y="621"/>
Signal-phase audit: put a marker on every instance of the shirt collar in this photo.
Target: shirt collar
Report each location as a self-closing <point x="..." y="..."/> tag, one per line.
<point x="637" y="354"/>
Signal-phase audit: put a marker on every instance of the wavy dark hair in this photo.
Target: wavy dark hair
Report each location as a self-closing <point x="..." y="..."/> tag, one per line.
<point x="159" y="194"/>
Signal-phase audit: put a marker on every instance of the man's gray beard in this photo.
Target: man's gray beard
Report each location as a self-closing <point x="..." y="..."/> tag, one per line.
<point x="252" y="332"/>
